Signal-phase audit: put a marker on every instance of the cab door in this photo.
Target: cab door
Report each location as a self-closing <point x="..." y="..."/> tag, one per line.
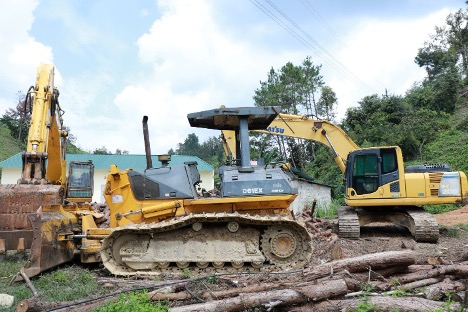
<point x="368" y="170"/>
<point x="363" y="172"/>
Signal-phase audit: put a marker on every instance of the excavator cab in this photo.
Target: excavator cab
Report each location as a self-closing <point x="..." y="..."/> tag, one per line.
<point x="80" y="181"/>
<point x="369" y="169"/>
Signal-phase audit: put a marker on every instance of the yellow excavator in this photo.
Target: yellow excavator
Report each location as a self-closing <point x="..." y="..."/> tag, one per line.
<point x="43" y="179"/>
<point x="378" y="186"/>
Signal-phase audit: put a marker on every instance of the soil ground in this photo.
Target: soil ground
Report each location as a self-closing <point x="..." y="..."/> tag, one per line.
<point x="452" y="245"/>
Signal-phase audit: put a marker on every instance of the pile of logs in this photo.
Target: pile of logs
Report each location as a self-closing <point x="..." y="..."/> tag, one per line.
<point x="386" y="281"/>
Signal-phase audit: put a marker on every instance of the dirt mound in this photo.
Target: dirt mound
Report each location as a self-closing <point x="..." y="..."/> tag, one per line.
<point x="459" y="216"/>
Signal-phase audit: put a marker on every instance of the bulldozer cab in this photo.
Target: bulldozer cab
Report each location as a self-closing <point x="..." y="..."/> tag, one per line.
<point x="80" y="181"/>
<point x="368" y="169"/>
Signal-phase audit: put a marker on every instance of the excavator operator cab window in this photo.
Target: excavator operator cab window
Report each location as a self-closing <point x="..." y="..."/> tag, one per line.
<point x="365" y="173"/>
<point x="80" y="180"/>
<point x="371" y="168"/>
<point x="389" y="161"/>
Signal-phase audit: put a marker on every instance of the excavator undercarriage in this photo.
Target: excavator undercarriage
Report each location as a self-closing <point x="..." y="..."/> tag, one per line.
<point x="421" y="224"/>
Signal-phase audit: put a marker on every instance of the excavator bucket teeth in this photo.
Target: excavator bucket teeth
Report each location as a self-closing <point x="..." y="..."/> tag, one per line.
<point x="52" y="242"/>
<point x="17" y="201"/>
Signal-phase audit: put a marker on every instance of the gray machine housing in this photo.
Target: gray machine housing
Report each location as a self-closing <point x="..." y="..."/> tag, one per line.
<point x="242" y="179"/>
<point x="166" y="182"/>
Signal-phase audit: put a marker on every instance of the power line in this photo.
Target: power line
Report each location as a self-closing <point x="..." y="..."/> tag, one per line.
<point x="328" y="56"/>
<point x="317" y="15"/>
<point x="297" y="32"/>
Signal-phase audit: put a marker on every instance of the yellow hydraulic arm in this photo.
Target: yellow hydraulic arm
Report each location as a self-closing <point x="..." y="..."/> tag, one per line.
<point x="321" y="131"/>
<point x="44" y="159"/>
<point x="228" y="139"/>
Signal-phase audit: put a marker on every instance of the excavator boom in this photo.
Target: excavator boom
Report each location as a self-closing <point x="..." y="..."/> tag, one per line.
<point x="322" y="131"/>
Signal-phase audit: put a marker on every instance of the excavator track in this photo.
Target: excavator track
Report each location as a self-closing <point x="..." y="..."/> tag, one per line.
<point x="208" y="242"/>
<point x="422" y="225"/>
<point x="348" y="223"/>
<point x="426" y="228"/>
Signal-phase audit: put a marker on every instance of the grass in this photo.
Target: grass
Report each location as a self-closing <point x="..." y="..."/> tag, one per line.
<point x="67" y="284"/>
<point x="70" y="283"/>
<point x="136" y="301"/>
<point x="8" y="145"/>
<point x="436" y="209"/>
<point x="329" y="211"/>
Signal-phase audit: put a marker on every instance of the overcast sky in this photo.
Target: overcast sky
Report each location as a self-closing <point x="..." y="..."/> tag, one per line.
<point x="117" y="61"/>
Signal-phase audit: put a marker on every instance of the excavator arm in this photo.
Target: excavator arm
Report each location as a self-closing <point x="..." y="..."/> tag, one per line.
<point x="44" y="158"/>
<point x="295" y="126"/>
<point x="321" y="131"/>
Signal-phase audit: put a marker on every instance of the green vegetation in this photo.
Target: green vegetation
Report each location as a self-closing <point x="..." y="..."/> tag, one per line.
<point x="364" y="303"/>
<point x="8" y="268"/>
<point x="329" y="211"/>
<point x="8" y="145"/>
<point x="136" y="301"/>
<point x="68" y="284"/>
<point x="186" y="273"/>
<point x="459" y="230"/>
<point x="435" y="209"/>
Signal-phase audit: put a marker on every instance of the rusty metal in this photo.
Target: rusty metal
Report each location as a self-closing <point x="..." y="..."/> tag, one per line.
<point x="16" y="202"/>
<point x="52" y="240"/>
<point x="149" y="162"/>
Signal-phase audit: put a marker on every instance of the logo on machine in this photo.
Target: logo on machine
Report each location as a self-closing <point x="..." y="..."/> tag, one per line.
<point x="277" y="191"/>
<point x="255" y="190"/>
<point x="275" y="129"/>
<point x="117" y="198"/>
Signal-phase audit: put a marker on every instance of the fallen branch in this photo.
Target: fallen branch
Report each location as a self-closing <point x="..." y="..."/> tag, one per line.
<point x="381" y="303"/>
<point x="245" y="301"/>
<point x="362" y="263"/>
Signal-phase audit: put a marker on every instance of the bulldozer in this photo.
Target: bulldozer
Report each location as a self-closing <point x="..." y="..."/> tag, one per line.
<point x="44" y="179"/>
<point x="378" y="186"/>
<point x="161" y="221"/>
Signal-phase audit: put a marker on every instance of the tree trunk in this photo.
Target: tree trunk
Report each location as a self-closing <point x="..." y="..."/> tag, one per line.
<point x="246" y="301"/>
<point x="266" y="299"/>
<point x="374" y="261"/>
<point x="380" y="303"/>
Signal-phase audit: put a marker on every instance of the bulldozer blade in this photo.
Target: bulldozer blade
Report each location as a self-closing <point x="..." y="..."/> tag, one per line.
<point x="16" y="202"/>
<point x="52" y="243"/>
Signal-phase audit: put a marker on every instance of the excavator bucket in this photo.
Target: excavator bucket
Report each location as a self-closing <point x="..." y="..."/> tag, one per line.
<point x="16" y="202"/>
<point x="52" y="243"/>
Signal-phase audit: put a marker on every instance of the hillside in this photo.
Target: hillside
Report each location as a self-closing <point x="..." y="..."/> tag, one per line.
<point x="8" y="145"/>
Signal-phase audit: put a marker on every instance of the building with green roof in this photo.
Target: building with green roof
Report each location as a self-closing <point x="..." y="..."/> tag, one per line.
<point x="11" y="168"/>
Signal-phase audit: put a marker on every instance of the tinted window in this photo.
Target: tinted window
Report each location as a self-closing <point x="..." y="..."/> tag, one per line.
<point x="143" y="188"/>
<point x="389" y="161"/>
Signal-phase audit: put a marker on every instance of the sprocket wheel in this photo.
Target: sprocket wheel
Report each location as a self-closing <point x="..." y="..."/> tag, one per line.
<point x="281" y="245"/>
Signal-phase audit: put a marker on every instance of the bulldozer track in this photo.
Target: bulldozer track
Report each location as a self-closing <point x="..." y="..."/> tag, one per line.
<point x="244" y="243"/>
